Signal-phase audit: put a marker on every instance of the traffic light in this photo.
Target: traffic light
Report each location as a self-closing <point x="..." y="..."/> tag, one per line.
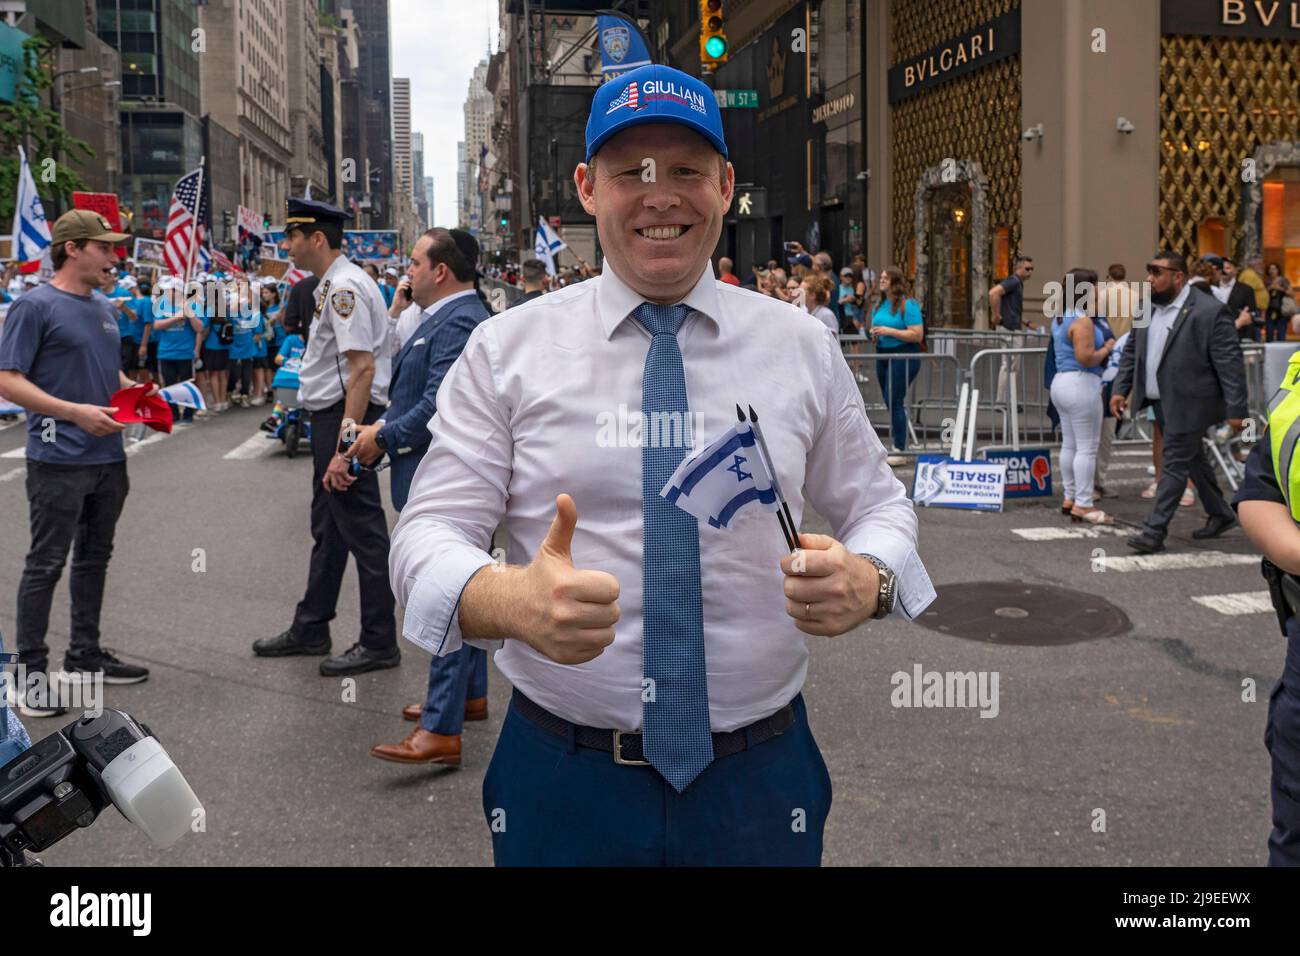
<point x="266" y="221"/>
<point x="713" y="36"/>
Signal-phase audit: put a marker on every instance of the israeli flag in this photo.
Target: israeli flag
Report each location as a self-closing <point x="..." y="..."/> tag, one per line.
<point x="722" y="478"/>
<point x="184" y="394"/>
<point x="31" y="231"/>
<point x="547" y="245"/>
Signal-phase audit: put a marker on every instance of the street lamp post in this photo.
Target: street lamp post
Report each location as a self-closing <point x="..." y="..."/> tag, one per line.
<point x="56" y="103"/>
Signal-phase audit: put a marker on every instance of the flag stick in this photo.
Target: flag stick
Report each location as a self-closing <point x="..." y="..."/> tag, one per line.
<point x="194" y="232"/>
<point x="765" y="458"/>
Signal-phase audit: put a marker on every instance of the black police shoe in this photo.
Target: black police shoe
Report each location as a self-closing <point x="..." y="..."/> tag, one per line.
<point x="357" y="660"/>
<point x="102" y="661"/>
<point x="1146" y="542"/>
<point x="286" y="645"/>
<point x="1214" y="527"/>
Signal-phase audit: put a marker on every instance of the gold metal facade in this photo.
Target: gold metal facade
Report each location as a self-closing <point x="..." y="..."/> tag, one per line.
<point x="1220" y="99"/>
<point x="975" y="117"/>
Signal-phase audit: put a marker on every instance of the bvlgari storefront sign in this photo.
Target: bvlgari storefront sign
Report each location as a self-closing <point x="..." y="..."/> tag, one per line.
<point x="992" y="41"/>
<point x="1261" y="19"/>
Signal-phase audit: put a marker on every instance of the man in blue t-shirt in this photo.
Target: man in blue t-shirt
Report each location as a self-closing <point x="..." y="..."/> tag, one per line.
<point x="60" y="360"/>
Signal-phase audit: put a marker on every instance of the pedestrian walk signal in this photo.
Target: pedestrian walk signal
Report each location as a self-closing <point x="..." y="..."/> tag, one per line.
<point x="713" y="38"/>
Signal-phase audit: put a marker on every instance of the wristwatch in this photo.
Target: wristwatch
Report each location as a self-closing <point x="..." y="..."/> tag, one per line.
<point x="379" y="439"/>
<point x="888" y="588"/>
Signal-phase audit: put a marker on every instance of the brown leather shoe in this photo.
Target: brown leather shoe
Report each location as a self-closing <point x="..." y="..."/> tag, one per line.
<point x="475" y="709"/>
<point x="420" y="746"/>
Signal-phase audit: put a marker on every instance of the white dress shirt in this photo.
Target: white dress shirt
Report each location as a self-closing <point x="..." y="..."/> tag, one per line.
<point x="527" y="412"/>
<point x="350" y="316"/>
<point x="413" y="317"/>
<point x="1223" y="290"/>
<point x="1162" y="320"/>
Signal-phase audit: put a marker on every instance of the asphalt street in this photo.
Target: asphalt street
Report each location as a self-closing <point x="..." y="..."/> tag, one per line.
<point x="1149" y="726"/>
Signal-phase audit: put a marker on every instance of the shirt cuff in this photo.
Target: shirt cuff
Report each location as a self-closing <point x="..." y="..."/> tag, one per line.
<point x="913" y="590"/>
<point x="433" y="606"/>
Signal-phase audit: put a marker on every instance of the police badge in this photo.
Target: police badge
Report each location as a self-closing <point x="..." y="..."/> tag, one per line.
<point x="344" y="301"/>
<point x="615" y="41"/>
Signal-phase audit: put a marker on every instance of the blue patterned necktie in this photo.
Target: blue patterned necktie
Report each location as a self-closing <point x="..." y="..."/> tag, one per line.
<point x="675" y="729"/>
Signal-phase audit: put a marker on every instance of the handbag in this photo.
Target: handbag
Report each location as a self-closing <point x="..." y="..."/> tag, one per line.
<point x="1289" y="307"/>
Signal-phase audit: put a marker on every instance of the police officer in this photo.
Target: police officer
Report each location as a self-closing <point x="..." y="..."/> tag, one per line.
<point x="344" y="384"/>
<point x="1268" y="506"/>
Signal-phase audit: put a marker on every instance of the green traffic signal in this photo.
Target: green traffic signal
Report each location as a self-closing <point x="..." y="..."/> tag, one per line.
<point x="715" y="46"/>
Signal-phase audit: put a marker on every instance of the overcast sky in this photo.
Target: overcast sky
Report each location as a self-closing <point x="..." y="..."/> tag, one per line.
<point x="438" y="52"/>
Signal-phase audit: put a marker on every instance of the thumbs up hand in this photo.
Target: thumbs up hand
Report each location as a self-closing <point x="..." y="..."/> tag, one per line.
<point x="573" y="611"/>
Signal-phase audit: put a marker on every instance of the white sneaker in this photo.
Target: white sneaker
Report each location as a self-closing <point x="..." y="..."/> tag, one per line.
<point x="258" y="400"/>
<point x="895" y="461"/>
<point x="42" y="707"/>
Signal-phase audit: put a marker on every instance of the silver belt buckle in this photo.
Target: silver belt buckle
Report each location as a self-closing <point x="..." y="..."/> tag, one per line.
<point x="618" y="752"/>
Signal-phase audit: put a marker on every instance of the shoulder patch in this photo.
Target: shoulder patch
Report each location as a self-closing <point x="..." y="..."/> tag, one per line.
<point x="344" y="303"/>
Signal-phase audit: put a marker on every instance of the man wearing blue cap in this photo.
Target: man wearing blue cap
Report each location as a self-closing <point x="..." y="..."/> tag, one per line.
<point x="657" y="663"/>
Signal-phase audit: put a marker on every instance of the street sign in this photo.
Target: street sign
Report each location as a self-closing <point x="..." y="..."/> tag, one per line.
<point x="736" y="99"/>
<point x="751" y="202"/>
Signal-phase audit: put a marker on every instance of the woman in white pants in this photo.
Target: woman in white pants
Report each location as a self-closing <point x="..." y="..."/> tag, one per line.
<point x="1080" y="353"/>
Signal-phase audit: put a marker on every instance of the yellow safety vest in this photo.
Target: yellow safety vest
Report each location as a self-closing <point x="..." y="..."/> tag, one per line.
<point x="1284" y="432"/>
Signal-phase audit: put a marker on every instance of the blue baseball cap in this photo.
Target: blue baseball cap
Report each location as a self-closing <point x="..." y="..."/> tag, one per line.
<point x="653" y="94"/>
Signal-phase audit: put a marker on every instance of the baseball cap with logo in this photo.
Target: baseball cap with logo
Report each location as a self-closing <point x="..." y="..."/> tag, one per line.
<point x="84" y="224"/>
<point x="653" y="94"/>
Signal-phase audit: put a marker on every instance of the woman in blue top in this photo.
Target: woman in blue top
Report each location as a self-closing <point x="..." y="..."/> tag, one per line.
<point x="1081" y="350"/>
<point x="267" y="344"/>
<point x="897" y="329"/>
<point x="847" y="297"/>
<point x="247" y="318"/>
<point x="175" y="324"/>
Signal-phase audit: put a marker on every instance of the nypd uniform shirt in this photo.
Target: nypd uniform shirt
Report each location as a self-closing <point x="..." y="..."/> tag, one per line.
<point x="1260" y="484"/>
<point x="546" y="398"/>
<point x="69" y="346"/>
<point x="350" y="316"/>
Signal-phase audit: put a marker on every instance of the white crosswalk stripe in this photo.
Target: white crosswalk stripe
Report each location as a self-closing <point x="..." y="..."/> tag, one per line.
<point x="10" y="475"/>
<point x="258" y="446"/>
<point x="15" y="453"/>
<point x="1050" y="533"/>
<point x="1177" y="561"/>
<point x="1243" y="602"/>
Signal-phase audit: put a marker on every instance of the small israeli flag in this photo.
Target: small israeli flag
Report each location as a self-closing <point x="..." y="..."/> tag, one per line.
<point x="31" y="231"/>
<point x="547" y="244"/>
<point x="184" y="394"/>
<point x="722" y="478"/>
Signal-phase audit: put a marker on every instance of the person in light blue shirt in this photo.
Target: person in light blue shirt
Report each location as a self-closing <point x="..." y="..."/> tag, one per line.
<point x="267" y="345"/>
<point x="288" y="361"/>
<point x="247" y="319"/>
<point x="176" y="325"/>
<point x="897" y="329"/>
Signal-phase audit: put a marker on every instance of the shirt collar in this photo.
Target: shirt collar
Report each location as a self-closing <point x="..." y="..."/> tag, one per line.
<point x="1179" y="300"/>
<point x="447" y="300"/>
<point x="616" y="300"/>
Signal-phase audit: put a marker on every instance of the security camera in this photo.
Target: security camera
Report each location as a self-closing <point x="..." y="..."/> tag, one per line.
<point x="1033" y="132"/>
<point x="1124" y="125"/>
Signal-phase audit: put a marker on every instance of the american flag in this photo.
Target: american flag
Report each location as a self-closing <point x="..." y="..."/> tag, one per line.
<point x="627" y="98"/>
<point x="292" y="277"/>
<point x="181" y="223"/>
<point x="222" y="263"/>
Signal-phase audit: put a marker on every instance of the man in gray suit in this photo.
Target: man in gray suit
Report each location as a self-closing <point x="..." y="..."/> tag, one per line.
<point x="1185" y="362"/>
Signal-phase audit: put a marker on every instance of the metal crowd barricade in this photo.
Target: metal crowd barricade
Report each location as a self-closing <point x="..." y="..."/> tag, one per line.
<point x="496" y="291"/>
<point x="1012" y="406"/>
<point x="931" y="398"/>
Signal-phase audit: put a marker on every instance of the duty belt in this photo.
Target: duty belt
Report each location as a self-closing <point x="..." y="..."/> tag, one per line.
<point x="1284" y="589"/>
<point x="626" y="745"/>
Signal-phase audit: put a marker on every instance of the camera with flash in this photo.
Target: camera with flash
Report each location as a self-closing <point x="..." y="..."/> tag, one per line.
<point x="64" y="781"/>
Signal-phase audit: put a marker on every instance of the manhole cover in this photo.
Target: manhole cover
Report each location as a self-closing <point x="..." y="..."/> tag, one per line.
<point x="1029" y="615"/>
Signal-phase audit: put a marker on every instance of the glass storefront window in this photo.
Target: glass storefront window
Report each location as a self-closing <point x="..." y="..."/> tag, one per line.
<point x="839" y="42"/>
<point x="1281" y="221"/>
<point x="1211" y="237"/>
<point x="1001" y="252"/>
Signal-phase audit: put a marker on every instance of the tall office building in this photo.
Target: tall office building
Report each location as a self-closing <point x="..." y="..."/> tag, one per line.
<point x="417" y="178"/>
<point x="246" y="91"/>
<point x="374" y="92"/>
<point x="306" y="111"/>
<point x="162" y="137"/>
<point x="431" y="215"/>
<point x="478" y="119"/>
<point x="402" y="133"/>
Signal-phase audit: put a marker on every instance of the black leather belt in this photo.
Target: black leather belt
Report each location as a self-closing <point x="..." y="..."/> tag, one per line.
<point x="626" y="745"/>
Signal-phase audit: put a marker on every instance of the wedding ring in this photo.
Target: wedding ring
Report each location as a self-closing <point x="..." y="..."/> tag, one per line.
<point x="807" y="611"/>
